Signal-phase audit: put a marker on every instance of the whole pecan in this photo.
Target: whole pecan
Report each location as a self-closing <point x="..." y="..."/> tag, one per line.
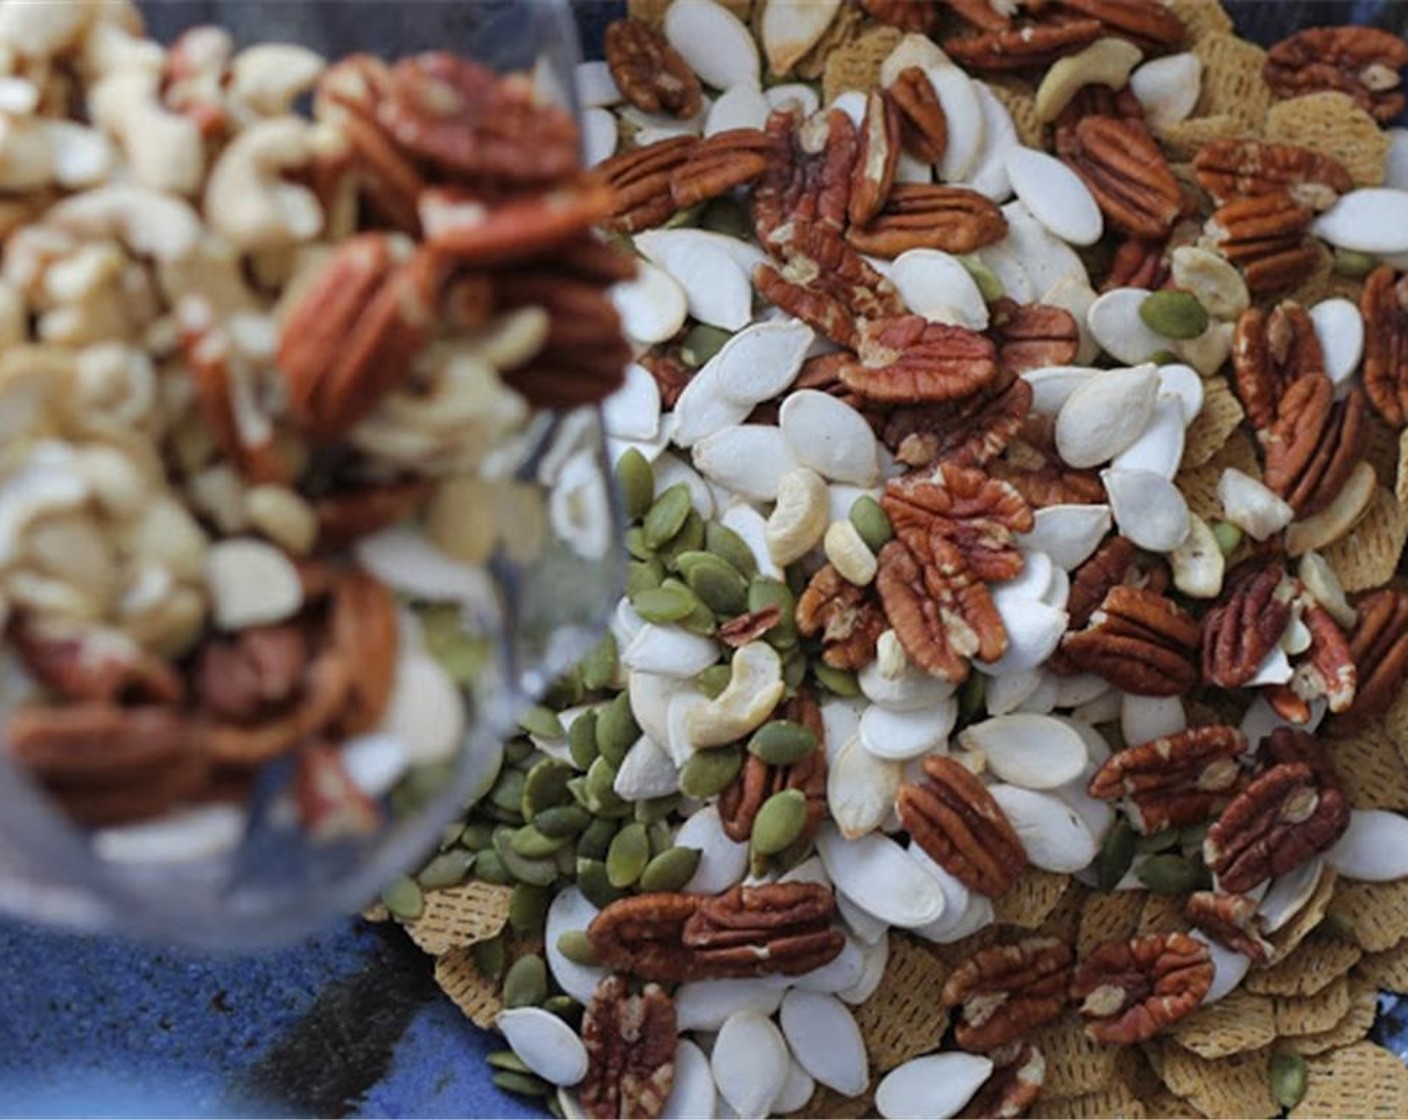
<point x="969" y="431"/>
<point x="1384" y="303"/>
<point x="1005" y="993"/>
<point x="641" y="182"/>
<point x="1128" y="175"/>
<point x="1024" y="45"/>
<point x="1132" y="990"/>
<point x="720" y="163"/>
<point x="907" y="15"/>
<point x="1097" y="101"/>
<point x="363" y="627"/>
<point x="965" y="507"/>
<point x="1177" y="780"/>
<point x="926" y="216"/>
<point x="630" y="1042"/>
<point x="1137" y="264"/>
<point x="1118" y="561"/>
<point x="923" y="125"/>
<point x="460" y="227"/>
<point x="1019" y="1071"/>
<point x="781" y="928"/>
<point x="847" y="619"/>
<point x="94" y="664"/>
<point x="1283" y="818"/>
<point x="737" y="632"/>
<point x="251" y="674"/>
<point x="1364" y="62"/>
<point x="1147" y="23"/>
<point x="807" y="181"/>
<point x="1270" y="352"/>
<point x="1379" y="647"/>
<point x="1140" y="641"/>
<point x="1315" y="445"/>
<point x="1230" y="169"/>
<point x="1246" y="623"/>
<point x="909" y="360"/>
<point x="649" y="72"/>
<point x="955" y="820"/>
<point x="757" y="781"/>
<point x="1231" y="920"/>
<point x="1033" y="468"/>
<point x="876" y="158"/>
<point x="1030" y="335"/>
<point x="1264" y="235"/>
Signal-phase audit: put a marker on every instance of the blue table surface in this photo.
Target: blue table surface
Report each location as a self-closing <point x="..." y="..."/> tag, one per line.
<point x="348" y="1023"/>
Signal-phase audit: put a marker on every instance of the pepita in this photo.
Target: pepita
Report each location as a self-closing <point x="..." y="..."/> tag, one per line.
<point x="528" y="908"/>
<point x="593" y="882"/>
<point x="719" y="585"/>
<point x="581" y="740"/>
<point x="779" y="822"/>
<point x="524" y="1084"/>
<point x="714" y="680"/>
<point x="627" y="856"/>
<point x="1289" y="1078"/>
<point x="664" y="604"/>
<point x="670" y="870"/>
<point x="666" y="516"/>
<point x="724" y="543"/>
<point x="596" y="838"/>
<point x="507" y="1059"/>
<point x="689" y="539"/>
<point x="598" y="669"/>
<point x="529" y="843"/>
<point x="616" y="729"/>
<point x="635" y="543"/>
<point x="577" y="948"/>
<point x="542" y="722"/>
<point x="871" y="522"/>
<point x="540" y="872"/>
<point x="447" y="869"/>
<point x="643" y="575"/>
<point x="838" y="682"/>
<point x="526" y="982"/>
<point x="545" y="786"/>
<point x="600" y="790"/>
<point x="764" y="593"/>
<point x="782" y="742"/>
<point x="1116" y="855"/>
<point x="1174" y="314"/>
<point x="701" y="342"/>
<point x="490" y="868"/>
<point x="403" y="898"/>
<point x="1172" y="874"/>
<point x="989" y="285"/>
<point x="490" y="958"/>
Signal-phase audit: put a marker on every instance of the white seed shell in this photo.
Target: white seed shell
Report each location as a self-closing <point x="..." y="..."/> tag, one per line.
<point x="877" y="875"/>
<point x="547" y="1045"/>
<point x="1149" y="509"/>
<point x="936" y="1086"/>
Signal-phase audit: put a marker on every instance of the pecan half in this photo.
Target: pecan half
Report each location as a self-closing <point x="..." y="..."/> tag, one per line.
<point x="907" y="15"/>
<point x="910" y="360"/>
<point x="363" y="628"/>
<point x="1379" y="647"/>
<point x="955" y="820"/>
<point x="807" y="181"/>
<point x="1019" y="1071"/>
<point x="94" y="664"/>
<point x="925" y="216"/>
<point x="1283" y="818"/>
<point x="1118" y="561"/>
<point x="1230" y="169"/>
<point x="976" y="513"/>
<point x="251" y="674"/>
<point x="1146" y="23"/>
<point x="1325" y="672"/>
<point x="781" y="928"/>
<point x="1364" y="62"/>
<point x="330" y="804"/>
<point x="1021" y="46"/>
<point x="738" y="632"/>
<point x="1137" y="264"/>
<point x="649" y="72"/>
<point x="640" y="181"/>
<point x="969" y="431"/>
<point x="1033" y="468"/>
<point x="846" y="618"/>
<point x="876" y="158"/>
<point x="1132" y="990"/>
<point x="469" y="232"/>
<point x="923" y="125"/>
<point x="1008" y="991"/>
<point x="1128" y="175"/>
<point x="1384" y="303"/>
<point x="757" y="781"/>
<point x="1030" y="335"/>
<point x="1270" y="353"/>
<point x="1315" y="444"/>
<point x="1177" y="780"/>
<point x="321" y="697"/>
<point x="1231" y="920"/>
<point x="1140" y="641"/>
<point x="719" y="164"/>
<point x="1264" y="236"/>
<point x="1246" y="623"/>
<point x="349" y="514"/>
<point x="630" y="1041"/>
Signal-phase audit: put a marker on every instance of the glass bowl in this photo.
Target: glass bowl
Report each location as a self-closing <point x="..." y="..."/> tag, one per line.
<point x="528" y="616"/>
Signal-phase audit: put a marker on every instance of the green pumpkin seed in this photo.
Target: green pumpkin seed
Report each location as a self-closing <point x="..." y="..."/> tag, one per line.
<point x="652" y="810"/>
<point x="661" y="835"/>
<point x="599" y="667"/>
<point x="726" y="215"/>
<point x="525" y="869"/>
<point x="636" y="545"/>
<point x="838" y="682"/>
<point x="490" y="868"/>
<point x="670" y="870"/>
<point x="581" y="740"/>
<point x="728" y="546"/>
<point x="541" y="722"/>
<point x="709" y="772"/>
<point x="448" y="869"/>
<point x="871" y="522"/>
<point x="664" y="604"/>
<point x="782" y="742"/>
<point x="1170" y="874"/>
<point x="596" y="839"/>
<point x="528" y="908"/>
<point x="517" y="751"/>
<point x="524" y="1084"/>
<point x="616" y="729"/>
<point x="566" y="859"/>
<point x="477" y="836"/>
<point x="561" y="821"/>
<point x="718" y="584"/>
<point x="1191" y="837"/>
<point x="593" y="882"/>
<point x="989" y="286"/>
<point x="972" y="698"/>
<point x="576" y="946"/>
<point x="602" y="798"/>
<point x="1174" y="314"/>
<point x="1289" y="1078"/>
<point x="764" y="593"/>
<point x="794" y="670"/>
<point x="565" y="692"/>
<point x="701" y="342"/>
<point x="1116" y="855"/>
<point x="690" y="538"/>
<point x="1162" y="358"/>
<point x="490" y="958"/>
<point x="565" y="1008"/>
<point x="1227" y="535"/>
<point x="667" y="515"/>
<point x="643" y="575"/>
<point x="714" y="680"/>
<point x="507" y="1059"/>
<point x="507" y="793"/>
<point x="628" y="855"/>
<point x="779" y="822"/>
<point x="545" y="786"/>
<point x="635" y="479"/>
<point x="403" y="898"/>
<point x="529" y="843"/>
<point x="1153" y="842"/>
<point x="700" y="621"/>
<point x="526" y="982"/>
<point x="1354" y="264"/>
<point x="450" y="836"/>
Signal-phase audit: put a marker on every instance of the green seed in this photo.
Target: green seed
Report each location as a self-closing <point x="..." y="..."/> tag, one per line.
<point x="702" y="342"/>
<point x="690" y="538"/>
<point x="564" y="821"/>
<point x="636" y="481"/>
<point x="566" y="859"/>
<point x="565" y="692"/>
<point x="1169" y="874"/>
<point x="529" y="843"/>
<point x="525" y="869"/>
<point x="600" y="666"/>
<point x="403" y="898"/>
<point x="652" y="810"/>
<point x="541" y="722"/>
<point x="507" y="793"/>
<point x="661" y="836"/>
<point x="635" y="543"/>
<point x="596" y="839"/>
<point x="709" y="772"/>
<point x="972" y="698"/>
<point x="517" y="751"/>
<point x="593" y="882"/>
<point x="490" y="957"/>
<point x="794" y="670"/>
<point x="490" y="868"/>
<point x="643" y="575"/>
<point x="718" y="584"/>
<point x="528" y="908"/>
<point x="565" y="1008"/>
<point x="1154" y="842"/>
<point x="576" y="946"/>
<point x="1116" y="856"/>
<point x="838" y="682"/>
<point x="670" y="870"/>
<point x="780" y="821"/>
<point x="726" y="215"/>
<point x="782" y="742"/>
<point x="1174" y="314"/>
<point x="526" y="982"/>
<point x="628" y="855"/>
<point x="581" y="740"/>
<point x="545" y="786"/>
<point x="448" y="869"/>
<point x="1354" y="264"/>
<point x="667" y="516"/>
<point x="1227" y="535"/>
<point x="477" y="836"/>
<point x="507" y="1059"/>
<point x="1289" y="1078"/>
<point x="871" y="522"/>
<point x="524" y="1084"/>
<point x="664" y="604"/>
<point x="602" y="798"/>
<point x="699" y="621"/>
<point x="714" y="680"/>
<point x="1162" y="358"/>
<point x="989" y="286"/>
<point x="616" y="729"/>
<point x="727" y="545"/>
<point x="1191" y="837"/>
<point x="764" y="593"/>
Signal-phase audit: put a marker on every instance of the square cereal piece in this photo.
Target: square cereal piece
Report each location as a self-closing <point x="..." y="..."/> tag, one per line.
<point x="1075" y="1065"/>
<point x="1238" y="1022"/>
<point x="1019" y="99"/>
<point x="1312" y="1014"/>
<point x="856" y="63"/>
<point x="1368" y="556"/>
<point x="1387" y="969"/>
<point x="1315" y="963"/>
<point x="1182" y="140"/>
<point x="1363" y="1080"/>
<point x="1286" y="939"/>
<point x="1238" y="1085"/>
<point x="1108" y="917"/>
<point x="1162" y="913"/>
<point x="1032" y="898"/>
<point x="1201" y="18"/>
<point x="460" y="916"/>
<point x="1113" y="1103"/>
<point x="1369" y="764"/>
<point x="903" y="1018"/>
<point x="844" y="27"/>
<point x="1363" y="1007"/>
<point x="467" y="987"/>
<point x="1214" y="424"/>
<point x="1233" y="84"/>
<point x="1333" y="125"/>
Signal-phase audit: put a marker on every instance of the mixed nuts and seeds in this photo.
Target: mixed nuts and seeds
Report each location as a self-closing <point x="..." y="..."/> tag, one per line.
<point x="1005" y="714"/>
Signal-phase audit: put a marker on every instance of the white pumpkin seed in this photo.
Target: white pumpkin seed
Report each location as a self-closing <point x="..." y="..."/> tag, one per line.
<point x="646" y="771"/>
<point x="1034" y="580"/>
<point x="713" y="42"/>
<point x="934" y="284"/>
<point x="840" y="722"/>
<point x="1069" y="534"/>
<point x="722" y="862"/>
<point x="957" y="94"/>
<point x="912" y="50"/>
<point x="1010" y="691"/>
<point x="1168" y="88"/>
<point x="741" y="106"/>
<point x="652" y="306"/>
<point x="1105" y="414"/>
<point x="797" y="1090"/>
<point x="1251" y="506"/>
<point x="877" y="875"/>
<point x="599" y="136"/>
<point x="1149" y="509"/>
<point x="1003" y="263"/>
<point x="1114" y="321"/>
<point x="762" y="360"/>
<point x="1228" y="968"/>
<point x="717" y="289"/>
<point x="825" y="1040"/>
<point x="1103" y="709"/>
<point x="1053" y="834"/>
<point x="1289" y="893"/>
<point x="936" y="1086"/>
<point x="633" y="411"/>
<point x="1374" y="849"/>
<point x="1159" y="448"/>
<point x="1369" y="220"/>
<point x="1275" y="668"/>
<point x="1082" y="688"/>
<point x="752" y="526"/>
<point x="1042" y="700"/>
<point x="860" y="788"/>
<point x="692" y="1093"/>
<point x="1340" y="328"/>
<point x="1034" y="630"/>
<point x="706" y="1005"/>
<point x="988" y="175"/>
<point x="748" y="459"/>
<point x="1055" y="195"/>
<point x="1146" y="718"/>
<point x="750" y="1063"/>
<point x="1047" y="259"/>
<point x="669" y="651"/>
<point x="864" y="926"/>
<point x="702" y="409"/>
<point x="790" y="28"/>
<point x="547" y="1045"/>
<point x="911" y="690"/>
<point x="876" y="957"/>
<point x="1036" y="752"/>
<point x="1052" y="386"/>
<point x="425" y="714"/>
<point x="595" y="86"/>
<point x="900" y="736"/>
<point x="830" y="437"/>
<point x="840" y="972"/>
<point x="570" y="910"/>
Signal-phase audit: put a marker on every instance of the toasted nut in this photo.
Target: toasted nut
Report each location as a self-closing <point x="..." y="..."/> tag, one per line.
<point x="268" y="78"/>
<point x="283" y="516"/>
<point x="1215" y="282"/>
<point x="799" y="519"/>
<point x="1324" y="587"/>
<point x="753" y="692"/>
<point x="849" y="554"/>
<point x="890" y="658"/>
<point x="248" y="199"/>
<point x="166" y="534"/>
<point x="1106" y="62"/>
<point x="164" y="149"/>
<point x="251" y="583"/>
<point x="147" y="222"/>
<point x="1343" y="513"/>
<point x="1249" y="505"/>
<point x="1198" y="563"/>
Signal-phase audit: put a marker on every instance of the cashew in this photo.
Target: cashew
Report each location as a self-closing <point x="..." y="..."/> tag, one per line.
<point x="119" y="486"/>
<point x="41" y="28"/>
<point x="147" y="222"/>
<point x="212" y="272"/>
<point x="26" y="158"/>
<point x="1324" y="587"/>
<point x="268" y="78"/>
<point x="1198" y="563"/>
<point x="799" y="519"/>
<point x="849" y="554"/>
<point x="1218" y="286"/>
<point x="283" y="516"/>
<point x="754" y="689"/>
<point x="248" y="201"/>
<point x="160" y="615"/>
<point x="18" y="96"/>
<point x="115" y="42"/>
<point x="251" y="583"/>
<point x="1209" y="350"/>
<point x="72" y="548"/>
<point x="51" y="598"/>
<point x="165" y="150"/>
<point x="44" y="480"/>
<point x="1249" y="505"/>
<point x="165" y="533"/>
<point x="34" y="380"/>
<point x="1106" y="62"/>
<point x="1339" y="517"/>
<point x="890" y="658"/>
<point x="14" y="325"/>
<point x="218" y="493"/>
<point x="118" y="381"/>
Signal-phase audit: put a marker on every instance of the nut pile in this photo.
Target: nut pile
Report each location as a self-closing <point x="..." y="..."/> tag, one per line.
<point x="1006" y="712"/>
<point x="268" y="383"/>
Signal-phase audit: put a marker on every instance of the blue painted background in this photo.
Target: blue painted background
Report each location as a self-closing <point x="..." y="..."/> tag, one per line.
<point x="350" y="1021"/>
